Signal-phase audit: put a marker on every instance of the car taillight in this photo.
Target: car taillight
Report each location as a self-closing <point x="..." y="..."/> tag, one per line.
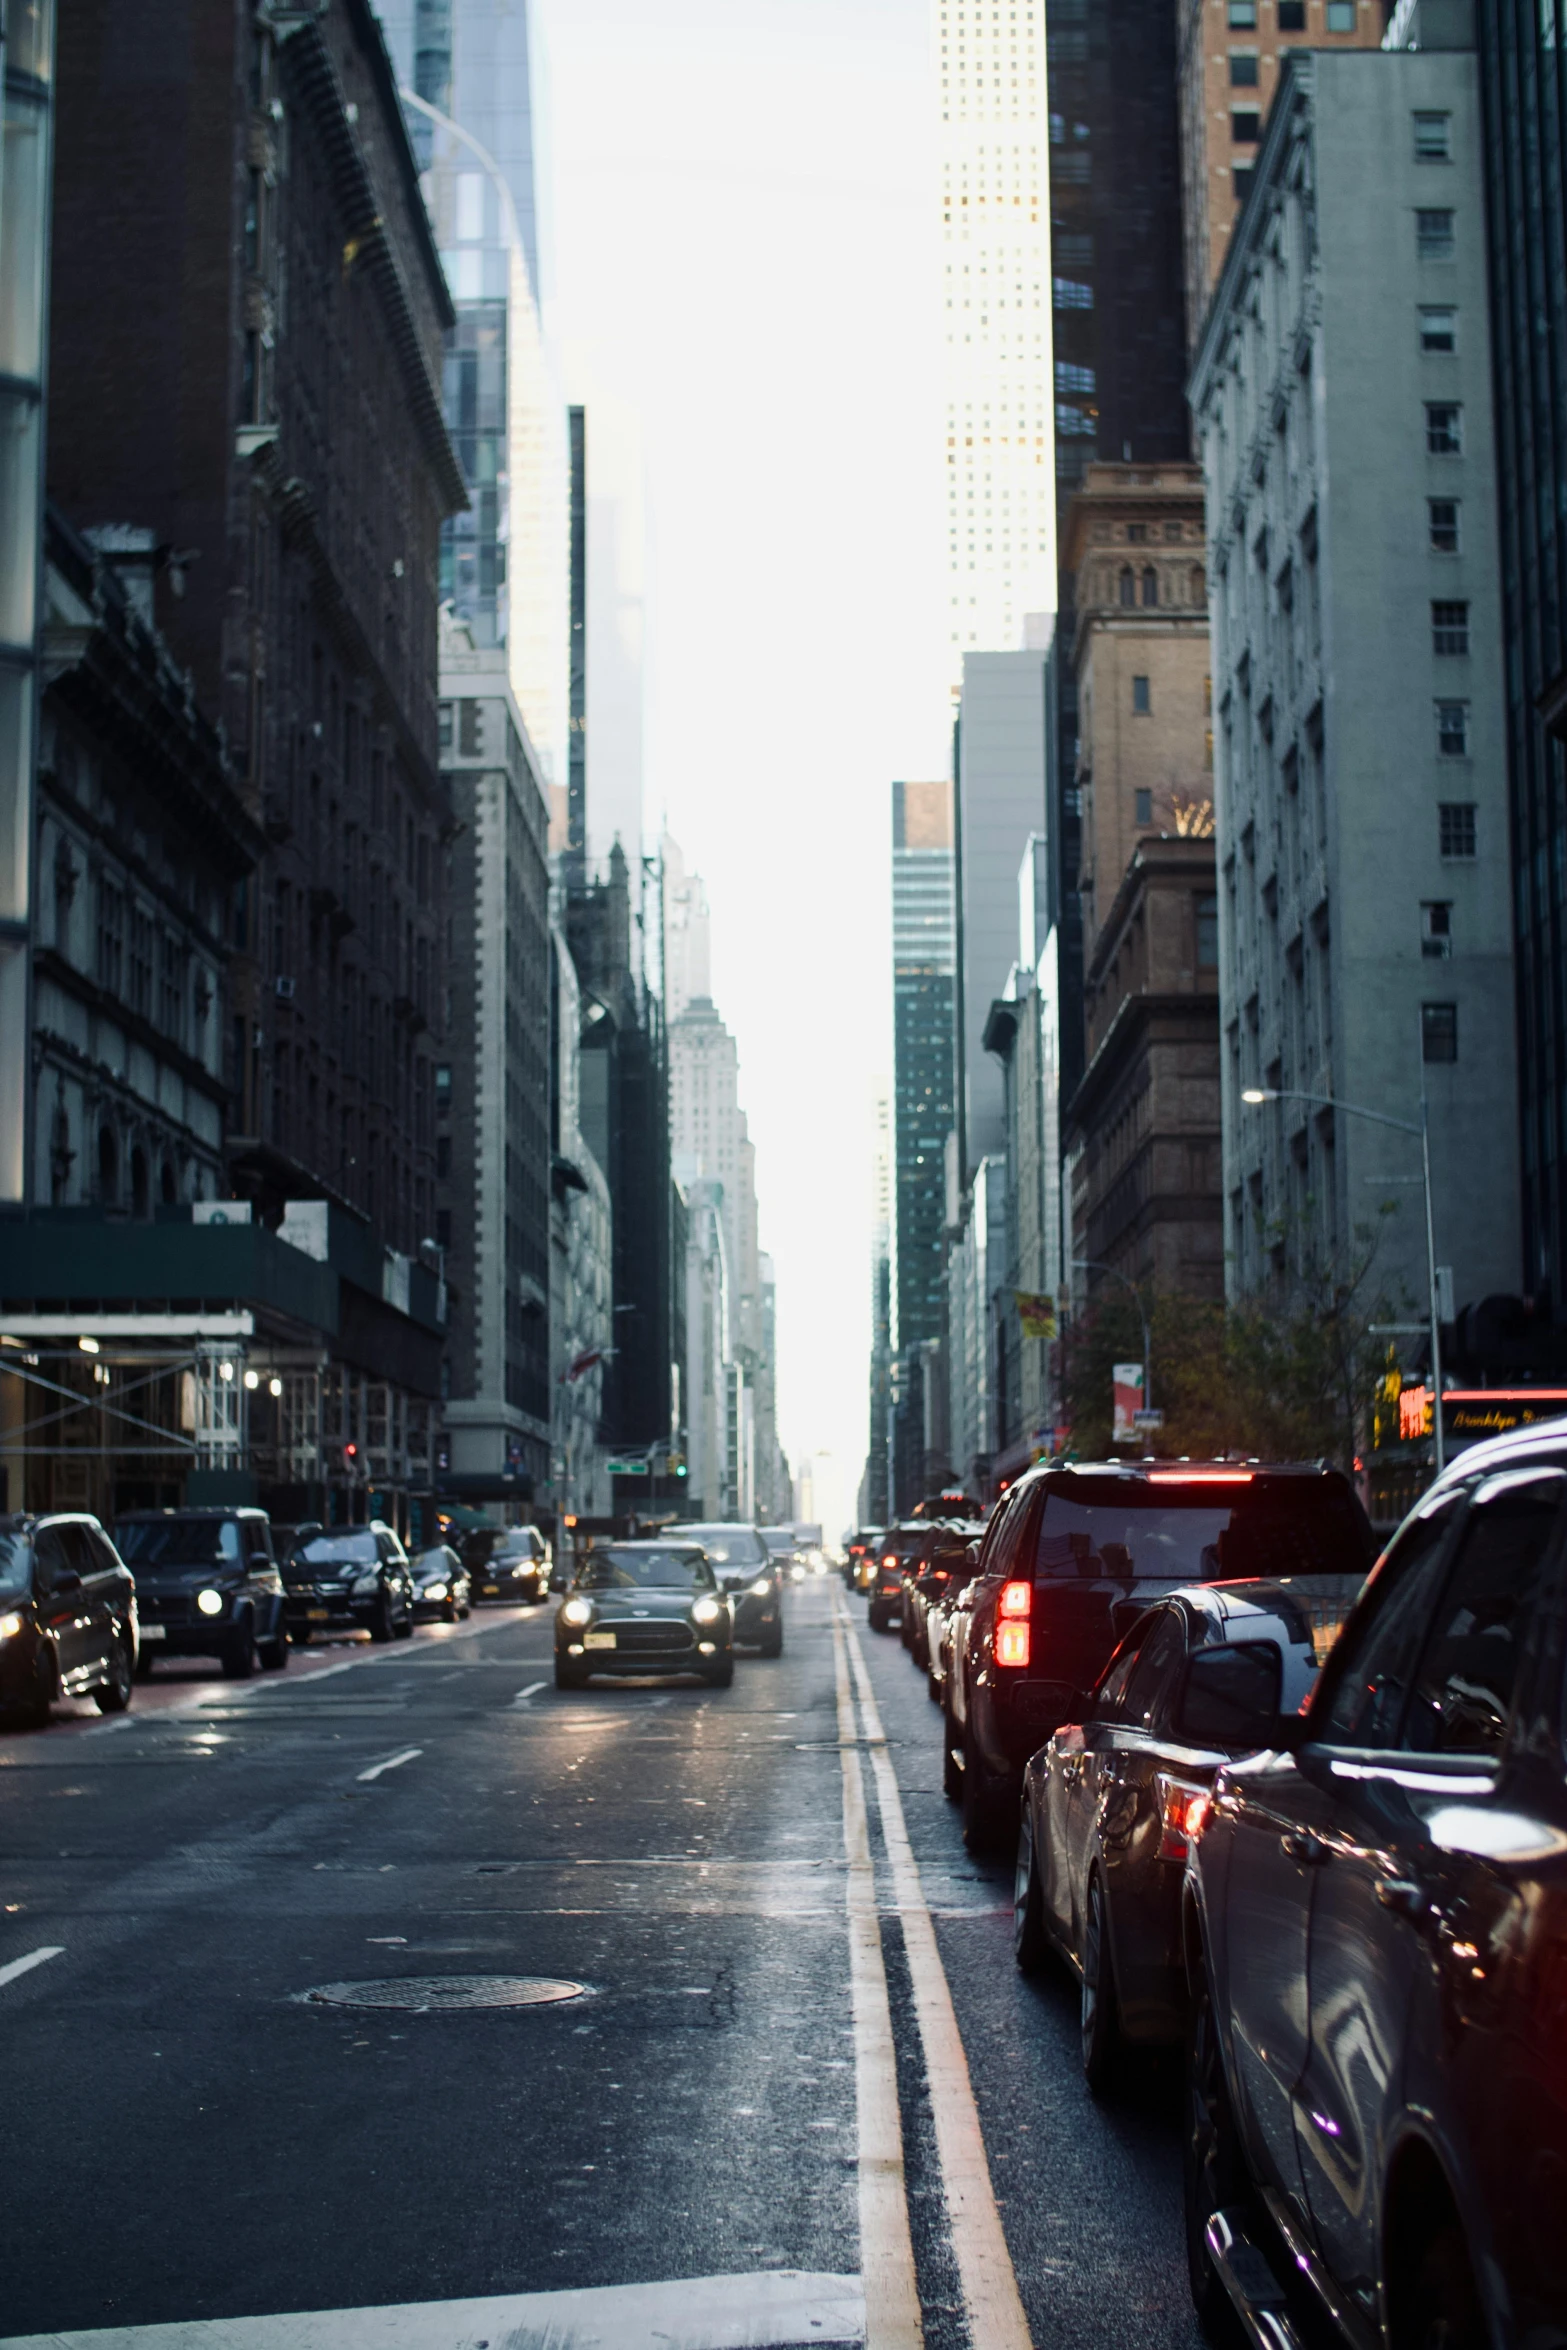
<point x="888" y="1564"/>
<point x="1183" y="1812"/>
<point x="1017" y="1599"/>
<point x="1014" y="1644"/>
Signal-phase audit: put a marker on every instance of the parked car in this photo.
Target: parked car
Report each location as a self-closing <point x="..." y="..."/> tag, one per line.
<point x="1110" y="1802"/>
<point x="441" y="1584"/>
<point x="1072" y="1556"/>
<point x="860" y="1556"/>
<point x="1375" y="1922"/>
<point x="749" y="1574"/>
<point x="644" y="1607"/>
<point x="507" y="1562"/>
<point x="67" y="1615"/>
<point x="884" y="1590"/>
<point x="946" y="1558"/>
<point x="350" y="1578"/>
<point x="207" y="1584"/>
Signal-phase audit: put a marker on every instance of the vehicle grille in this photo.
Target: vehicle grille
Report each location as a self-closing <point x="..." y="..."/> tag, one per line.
<point x="653" y="1639"/>
<point x="153" y="1608"/>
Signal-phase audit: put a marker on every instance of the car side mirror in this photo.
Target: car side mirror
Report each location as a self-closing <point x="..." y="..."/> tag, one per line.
<point x="259" y="1558"/>
<point x="66" y="1582"/>
<point x="1231" y="1698"/>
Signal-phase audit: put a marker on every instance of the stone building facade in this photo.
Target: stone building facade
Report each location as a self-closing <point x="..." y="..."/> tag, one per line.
<point x="1365" y="925"/>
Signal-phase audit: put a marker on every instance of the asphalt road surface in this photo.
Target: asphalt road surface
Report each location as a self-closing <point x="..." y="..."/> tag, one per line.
<point x="798" y="2093"/>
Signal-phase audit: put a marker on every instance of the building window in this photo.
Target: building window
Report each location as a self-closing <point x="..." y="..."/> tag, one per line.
<point x="1439" y="1032"/>
<point x="1436" y="929"/>
<point x="1444" y="428"/>
<point x="1150" y="587"/>
<point x="1452" y="729"/>
<point x="1128" y="587"/>
<point x="1243" y="69"/>
<point x="141" y="964"/>
<point x="1245" y="126"/>
<point x="1450" y="628"/>
<point x="1242" y="175"/>
<point x="1140" y="701"/>
<point x="1433" y="138"/>
<point x="1208" y="934"/>
<point x="1438" y="331"/>
<point x="1143" y="807"/>
<point x="111" y="938"/>
<point x="1243" y="16"/>
<point x="1443" y="513"/>
<point x="1434" y="234"/>
<point x="1341" y="16"/>
<point x="171" y="988"/>
<point x="1456" y="828"/>
<point x="1292" y="16"/>
<point x="443" y="1089"/>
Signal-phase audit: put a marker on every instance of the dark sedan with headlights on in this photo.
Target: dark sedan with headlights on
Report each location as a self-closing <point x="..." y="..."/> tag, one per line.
<point x="441" y="1584"/>
<point x="350" y="1578"/>
<point x="749" y="1574"/>
<point x="508" y="1562"/>
<point x="67" y="1616"/>
<point x="207" y="1584"/>
<point x="644" y="1607"/>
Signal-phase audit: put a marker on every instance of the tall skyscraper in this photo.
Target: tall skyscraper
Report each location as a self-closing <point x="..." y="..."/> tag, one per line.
<point x="1000" y="802"/>
<point x="688" y="959"/>
<point x="995" y="253"/>
<point x="470" y="75"/>
<point x="1523" y="96"/>
<point x="924" y="951"/>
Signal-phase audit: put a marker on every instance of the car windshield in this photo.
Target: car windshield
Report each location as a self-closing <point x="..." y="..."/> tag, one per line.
<point x="1130" y="1531"/>
<point x="356" y="1550"/>
<point x="178" y="1542"/>
<point x="646" y="1570"/>
<point x="433" y="1562"/>
<point x="730" y="1546"/>
<point x="16" y="1562"/>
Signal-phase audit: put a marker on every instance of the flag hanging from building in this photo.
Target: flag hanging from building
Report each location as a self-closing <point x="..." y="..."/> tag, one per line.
<point x="1037" y="1314"/>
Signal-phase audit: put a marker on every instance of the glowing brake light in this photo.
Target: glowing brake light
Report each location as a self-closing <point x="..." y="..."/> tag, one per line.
<point x="1199" y="1476"/>
<point x="1183" y="1815"/>
<point x="1014" y="1633"/>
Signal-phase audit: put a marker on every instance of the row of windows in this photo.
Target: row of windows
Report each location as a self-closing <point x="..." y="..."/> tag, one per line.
<point x="1339" y="16"/>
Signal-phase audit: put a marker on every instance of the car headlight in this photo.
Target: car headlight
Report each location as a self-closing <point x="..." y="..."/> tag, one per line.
<point x="366" y="1585"/>
<point x="10" y="1624"/>
<point x="434" y="1591"/>
<point x="576" y="1611"/>
<point x="210" y="1603"/>
<point x="761" y="1587"/>
<point x="707" y="1611"/>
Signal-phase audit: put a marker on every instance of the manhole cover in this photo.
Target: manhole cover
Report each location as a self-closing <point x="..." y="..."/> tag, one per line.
<point x="446" y="1994"/>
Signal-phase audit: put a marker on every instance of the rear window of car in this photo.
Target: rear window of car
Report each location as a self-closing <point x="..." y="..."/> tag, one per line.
<point x="1132" y="1530"/>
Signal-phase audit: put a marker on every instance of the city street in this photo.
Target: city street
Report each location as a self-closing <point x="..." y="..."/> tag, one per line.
<point x="192" y="2137"/>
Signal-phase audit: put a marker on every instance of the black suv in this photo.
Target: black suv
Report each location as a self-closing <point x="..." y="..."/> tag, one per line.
<point x="748" y="1573"/>
<point x="348" y="1578"/>
<point x="207" y="1584"/>
<point x="67" y="1615"/>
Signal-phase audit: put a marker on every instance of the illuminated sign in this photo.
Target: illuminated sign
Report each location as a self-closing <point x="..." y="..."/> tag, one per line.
<point x="1470" y="1414"/>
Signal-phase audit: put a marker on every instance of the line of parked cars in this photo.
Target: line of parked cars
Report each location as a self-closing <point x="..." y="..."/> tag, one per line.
<point x="1306" y="1816"/>
<point x="84" y="1613"/>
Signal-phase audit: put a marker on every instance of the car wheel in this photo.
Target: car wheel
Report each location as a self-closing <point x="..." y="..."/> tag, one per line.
<point x="981" y="1808"/>
<point x="379" y="1621"/>
<point x="240" y="1654"/>
<point x="772" y="1642"/>
<point x="1213" y="2168"/>
<point x="1440" y="2310"/>
<point x="1101" y="2014"/>
<point x="721" y="1675"/>
<point x="569" y="1676"/>
<point x="403" y="1629"/>
<point x="465" y="1611"/>
<point x="115" y="1695"/>
<point x="1029" y="1945"/>
<point x="42" y="1691"/>
<point x="951" y="1768"/>
<point x="905" y="1628"/>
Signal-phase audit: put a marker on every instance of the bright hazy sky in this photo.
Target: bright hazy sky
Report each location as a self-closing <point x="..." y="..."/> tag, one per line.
<point x="744" y="237"/>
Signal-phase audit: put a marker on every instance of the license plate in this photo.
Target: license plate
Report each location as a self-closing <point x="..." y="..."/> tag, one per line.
<point x="598" y="1639"/>
<point x="152" y="1632"/>
<point x="319" y="1615"/>
<point x="491" y="1590"/>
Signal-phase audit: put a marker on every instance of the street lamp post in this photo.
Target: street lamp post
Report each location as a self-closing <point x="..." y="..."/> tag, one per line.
<point x="1093" y="1265"/>
<point x="1254" y="1095"/>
